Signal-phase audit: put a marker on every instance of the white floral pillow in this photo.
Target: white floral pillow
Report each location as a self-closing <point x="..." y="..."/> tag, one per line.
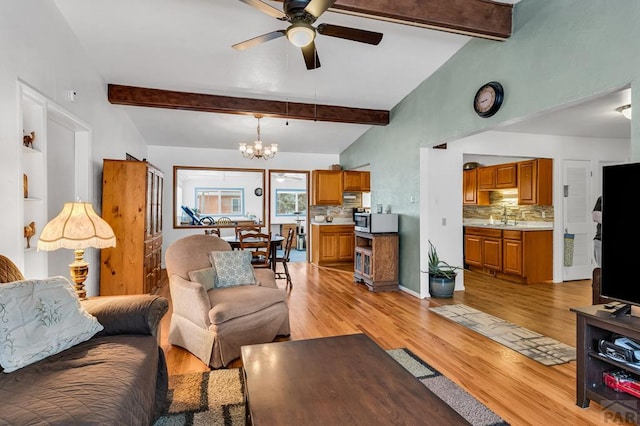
<point x="39" y="318"/>
<point x="232" y="268"/>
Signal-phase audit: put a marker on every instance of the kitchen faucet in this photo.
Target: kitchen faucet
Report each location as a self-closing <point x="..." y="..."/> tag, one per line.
<point x="505" y="218"/>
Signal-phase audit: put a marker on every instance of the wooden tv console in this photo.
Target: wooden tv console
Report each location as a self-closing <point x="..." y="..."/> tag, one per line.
<point x="594" y="323"/>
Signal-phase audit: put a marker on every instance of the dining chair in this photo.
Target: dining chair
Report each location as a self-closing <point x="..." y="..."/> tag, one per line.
<point x="213" y="231"/>
<point x="284" y="259"/>
<point x="247" y="228"/>
<point x="260" y="245"/>
<point x="224" y="220"/>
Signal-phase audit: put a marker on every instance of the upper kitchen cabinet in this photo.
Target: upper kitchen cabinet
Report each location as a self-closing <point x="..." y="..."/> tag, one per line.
<point x="486" y="177"/>
<point x="506" y="176"/>
<point x="501" y="176"/>
<point x="535" y="180"/>
<point x="327" y="187"/>
<point x="470" y="193"/>
<point x="355" y="181"/>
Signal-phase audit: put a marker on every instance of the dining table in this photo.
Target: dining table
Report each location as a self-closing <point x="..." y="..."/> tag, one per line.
<point x="276" y="242"/>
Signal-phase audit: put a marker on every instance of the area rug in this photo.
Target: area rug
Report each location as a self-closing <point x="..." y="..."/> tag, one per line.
<point x="208" y="398"/>
<point x="216" y="397"/>
<point x="541" y="348"/>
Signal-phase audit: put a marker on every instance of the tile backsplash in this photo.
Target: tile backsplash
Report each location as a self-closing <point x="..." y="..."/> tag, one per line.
<point x="499" y="200"/>
<point x="345" y="211"/>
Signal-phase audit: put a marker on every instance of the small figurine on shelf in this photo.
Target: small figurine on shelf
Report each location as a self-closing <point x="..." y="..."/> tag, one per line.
<point x="25" y="185"/>
<point x="29" y="231"/>
<point x="27" y="140"/>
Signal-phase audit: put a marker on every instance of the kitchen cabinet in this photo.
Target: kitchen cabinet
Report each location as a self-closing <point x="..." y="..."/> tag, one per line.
<point x="486" y="178"/>
<point x="535" y="180"/>
<point x="132" y="204"/>
<point x="470" y="193"/>
<point x="332" y="244"/>
<point x="356" y="181"/>
<point x="327" y="187"/>
<point x="500" y="176"/>
<point x="376" y="261"/>
<point x="524" y="256"/>
<point x="506" y="176"/>
<point x="483" y="248"/>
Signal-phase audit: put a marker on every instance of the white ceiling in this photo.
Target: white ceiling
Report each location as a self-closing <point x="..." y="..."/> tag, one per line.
<point x="185" y="45"/>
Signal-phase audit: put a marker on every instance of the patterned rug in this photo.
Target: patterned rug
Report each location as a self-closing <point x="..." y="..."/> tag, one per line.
<point x="543" y="349"/>
<point x="210" y="398"/>
<point x="216" y="397"/>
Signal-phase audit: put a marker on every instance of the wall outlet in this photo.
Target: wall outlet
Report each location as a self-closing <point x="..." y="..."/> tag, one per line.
<point x="444" y="221"/>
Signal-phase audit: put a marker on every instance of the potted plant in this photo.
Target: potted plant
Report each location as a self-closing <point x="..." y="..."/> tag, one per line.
<point x="442" y="276"/>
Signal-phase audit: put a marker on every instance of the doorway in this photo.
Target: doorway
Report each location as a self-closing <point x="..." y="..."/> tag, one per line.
<point x="288" y="203"/>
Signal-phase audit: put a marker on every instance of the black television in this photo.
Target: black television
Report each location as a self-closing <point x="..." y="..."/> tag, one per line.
<point x="620" y="232"/>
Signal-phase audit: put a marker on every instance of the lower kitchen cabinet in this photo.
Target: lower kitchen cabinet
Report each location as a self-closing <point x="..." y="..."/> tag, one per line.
<point x="524" y="256"/>
<point x="331" y="244"/>
<point x="376" y="261"/>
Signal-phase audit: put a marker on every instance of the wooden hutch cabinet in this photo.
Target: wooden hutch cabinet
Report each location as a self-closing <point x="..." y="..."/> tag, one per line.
<point x="132" y="205"/>
<point x="376" y="261"/>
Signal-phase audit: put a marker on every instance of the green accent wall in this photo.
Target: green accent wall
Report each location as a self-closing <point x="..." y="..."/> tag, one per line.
<point x="561" y="51"/>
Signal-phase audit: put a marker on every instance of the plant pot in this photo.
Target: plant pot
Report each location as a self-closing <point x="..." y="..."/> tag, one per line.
<point x="441" y="287"/>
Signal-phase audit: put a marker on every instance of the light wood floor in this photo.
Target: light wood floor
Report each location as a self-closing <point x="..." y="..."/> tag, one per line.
<point x="326" y="302"/>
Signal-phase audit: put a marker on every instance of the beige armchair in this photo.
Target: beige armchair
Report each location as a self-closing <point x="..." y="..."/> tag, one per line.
<point x="214" y="324"/>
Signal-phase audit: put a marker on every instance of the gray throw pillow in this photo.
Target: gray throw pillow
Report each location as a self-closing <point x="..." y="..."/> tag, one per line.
<point x="232" y="268"/>
<point x="205" y="276"/>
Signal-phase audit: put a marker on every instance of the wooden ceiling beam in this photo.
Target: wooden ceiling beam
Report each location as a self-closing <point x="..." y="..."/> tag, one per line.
<point x="477" y="18"/>
<point x="159" y="98"/>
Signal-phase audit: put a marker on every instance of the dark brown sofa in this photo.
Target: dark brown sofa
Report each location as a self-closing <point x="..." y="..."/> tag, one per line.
<point x="118" y="377"/>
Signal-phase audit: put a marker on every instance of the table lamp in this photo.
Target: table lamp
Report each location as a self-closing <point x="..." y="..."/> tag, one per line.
<point x="77" y="227"/>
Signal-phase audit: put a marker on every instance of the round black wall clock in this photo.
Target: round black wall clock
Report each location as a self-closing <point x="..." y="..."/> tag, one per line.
<point x="258" y="192"/>
<point x="488" y="99"/>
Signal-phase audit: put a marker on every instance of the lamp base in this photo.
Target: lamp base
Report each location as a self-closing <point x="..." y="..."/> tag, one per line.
<point x="79" y="270"/>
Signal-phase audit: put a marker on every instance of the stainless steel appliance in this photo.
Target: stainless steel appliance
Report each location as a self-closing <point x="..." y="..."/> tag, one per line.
<point x="374" y="223"/>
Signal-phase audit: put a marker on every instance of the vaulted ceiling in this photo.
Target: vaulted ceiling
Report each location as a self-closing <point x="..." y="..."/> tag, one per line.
<point x="169" y="64"/>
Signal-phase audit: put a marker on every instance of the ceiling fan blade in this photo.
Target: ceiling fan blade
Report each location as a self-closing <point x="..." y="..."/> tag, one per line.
<point x="354" y="34"/>
<point x="318" y="7"/>
<point x="265" y="8"/>
<point x="310" y="54"/>
<point x="252" y="42"/>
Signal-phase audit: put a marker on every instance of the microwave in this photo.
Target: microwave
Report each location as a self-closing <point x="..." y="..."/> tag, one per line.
<point x="376" y="223"/>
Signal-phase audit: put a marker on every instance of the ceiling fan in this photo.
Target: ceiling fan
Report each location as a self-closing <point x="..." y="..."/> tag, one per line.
<point x="301" y="14"/>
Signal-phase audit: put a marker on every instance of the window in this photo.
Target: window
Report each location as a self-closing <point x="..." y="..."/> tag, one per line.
<point x="290" y="201"/>
<point x="221" y="202"/>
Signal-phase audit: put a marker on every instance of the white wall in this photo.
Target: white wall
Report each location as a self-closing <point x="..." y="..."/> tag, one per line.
<point x="165" y="158"/>
<point x="38" y="48"/>
<point x="441" y="184"/>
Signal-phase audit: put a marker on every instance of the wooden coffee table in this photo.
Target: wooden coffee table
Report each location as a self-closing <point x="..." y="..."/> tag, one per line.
<point x="336" y="380"/>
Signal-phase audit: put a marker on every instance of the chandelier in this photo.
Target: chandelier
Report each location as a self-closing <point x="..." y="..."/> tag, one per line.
<point x="257" y="150"/>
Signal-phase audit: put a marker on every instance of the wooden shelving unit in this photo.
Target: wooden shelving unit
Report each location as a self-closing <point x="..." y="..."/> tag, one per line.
<point x="376" y="261"/>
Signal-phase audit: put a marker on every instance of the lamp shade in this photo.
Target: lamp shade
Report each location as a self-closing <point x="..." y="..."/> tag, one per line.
<point x="76" y="227"/>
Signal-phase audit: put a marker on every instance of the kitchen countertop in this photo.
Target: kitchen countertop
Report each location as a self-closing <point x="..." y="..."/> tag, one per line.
<point x="335" y="222"/>
<point x="519" y="226"/>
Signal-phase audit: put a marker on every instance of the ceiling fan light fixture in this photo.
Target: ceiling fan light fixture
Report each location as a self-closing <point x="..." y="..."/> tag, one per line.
<point x="301" y="34"/>
<point x="625" y="110"/>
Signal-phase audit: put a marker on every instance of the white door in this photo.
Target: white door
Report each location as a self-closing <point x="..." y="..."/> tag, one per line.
<point x="577" y="222"/>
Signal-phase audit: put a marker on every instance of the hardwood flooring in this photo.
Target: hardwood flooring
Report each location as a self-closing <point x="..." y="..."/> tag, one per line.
<point x="326" y="302"/>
